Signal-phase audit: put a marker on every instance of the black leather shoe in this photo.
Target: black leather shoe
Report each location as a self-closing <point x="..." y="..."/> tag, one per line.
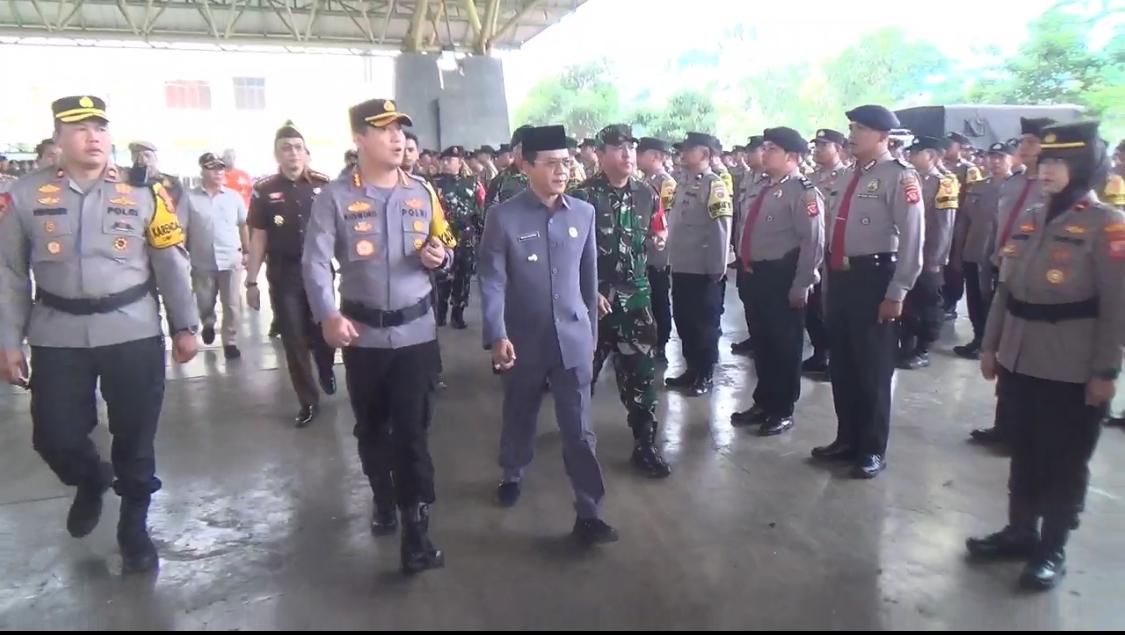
<point x="752" y="417"/>
<point x="987" y="436"/>
<point x="835" y="451"/>
<point x="594" y="531"/>
<point x="384" y="520"/>
<point x="418" y="552"/>
<point x="457" y="320"/>
<point x="682" y="381"/>
<point x="1044" y="571"/>
<point x="231" y="352"/>
<point x="869" y="466"/>
<point x="914" y="361"/>
<point x="1115" y="422"/>
<point x="702" y="386"/>
<point x="1007" y="544"/>
<point x="508" y="493"/>
<point x="968" y="351"/>
<point x="208" y="335"/>
<point x="327" y="380"/>
<point x="275" y="330"/>
<point x="306" y="416"/>
<point x="745" y="347"/>
<point x="86" y="510"/>
<point x="775" y="425"/>
<point x="815" y="364"/>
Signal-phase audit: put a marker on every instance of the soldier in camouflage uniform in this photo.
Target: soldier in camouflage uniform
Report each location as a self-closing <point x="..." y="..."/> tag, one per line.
<point x="511" y="180"/>
<point x="628" y="215"/>
<point x="463" y="200"/>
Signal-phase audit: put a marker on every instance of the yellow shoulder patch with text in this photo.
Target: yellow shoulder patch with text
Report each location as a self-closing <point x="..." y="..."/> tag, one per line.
<point x="439" y="227"/>
<point x="719" y="203"/>
<point x="668" y="193"/>
<point x="164" y="229"/>
<point x="948" y="190"/>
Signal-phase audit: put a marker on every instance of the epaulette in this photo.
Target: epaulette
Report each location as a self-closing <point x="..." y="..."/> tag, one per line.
<point x="805" y="182"/>
<point x="903" y="163"/>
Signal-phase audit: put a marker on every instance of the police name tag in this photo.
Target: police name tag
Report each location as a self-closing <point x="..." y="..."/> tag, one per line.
<point x="526" y="237"/>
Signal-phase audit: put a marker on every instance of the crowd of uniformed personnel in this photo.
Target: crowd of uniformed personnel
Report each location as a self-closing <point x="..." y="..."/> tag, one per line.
<point x="586" y="251"/>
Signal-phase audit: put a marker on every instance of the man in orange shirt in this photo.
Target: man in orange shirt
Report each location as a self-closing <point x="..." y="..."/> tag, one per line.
<point x="236" y="179"/>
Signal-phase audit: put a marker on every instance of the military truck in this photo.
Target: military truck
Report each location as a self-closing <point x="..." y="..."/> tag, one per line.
<point x="982" y="124"/>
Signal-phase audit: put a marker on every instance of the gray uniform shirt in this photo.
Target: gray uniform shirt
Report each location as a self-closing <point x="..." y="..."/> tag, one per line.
<point x="886" y="216"/>
<point x="981" y="207"/>
<point x="89" y="245"/>
<point x="940" y="216"/>
<point x="1077" y="256"/>
<point x="376" y="237"/>
<point x="701" y="226"/>
<point x="539" y="280"/>
<point x="791" y="217"/>
<point x="1012" y="203"/>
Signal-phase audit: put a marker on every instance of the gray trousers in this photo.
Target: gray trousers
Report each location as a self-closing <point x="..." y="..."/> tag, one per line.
<point x="523" y="394"/>
<point x="227" y="285"/>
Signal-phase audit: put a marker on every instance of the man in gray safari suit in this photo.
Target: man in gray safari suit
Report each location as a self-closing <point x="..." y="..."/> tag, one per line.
<point x="538" y="280"/>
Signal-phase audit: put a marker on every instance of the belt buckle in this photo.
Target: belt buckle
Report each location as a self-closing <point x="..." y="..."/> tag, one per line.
<point x="847" y="264"/>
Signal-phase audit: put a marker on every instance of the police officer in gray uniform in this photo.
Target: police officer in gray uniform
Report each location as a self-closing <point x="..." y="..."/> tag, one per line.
<point x="827" y="147"/>
<point x="539" y="294"/>
<point x="1055" y="334"/>
<point x="751" y="179"/>
<point x="981" y="205"/>
<point x="651" y="153"/>
<point x="922" y="315"/>
<point x="698" y="245"/>
<point x="874" y="237"/>
<point x="100" y="250"/>
<point x="386" y="230"/>
<point x="780" y="249"/>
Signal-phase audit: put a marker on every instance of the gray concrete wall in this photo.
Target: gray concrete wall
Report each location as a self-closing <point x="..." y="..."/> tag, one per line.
<point x="467" y="106"/>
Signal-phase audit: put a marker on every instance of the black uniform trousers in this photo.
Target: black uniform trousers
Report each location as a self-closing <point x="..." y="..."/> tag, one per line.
<point x="453" y="288"/>
<point x="952" y="288"/>
<point x="64" y="384"/>
<point x="697" y="303"/>
<point x="300" y="336"/>
<point x="392" y="395"/>
<point x="922" y="313"/>
<point x="779" y="338"/>
<point x="1052" y="433"/>
<point x="814" y="320"/>
<point x="979" y="288"/>
<point x="661" y="282"/>
<point x="863" y="355"/>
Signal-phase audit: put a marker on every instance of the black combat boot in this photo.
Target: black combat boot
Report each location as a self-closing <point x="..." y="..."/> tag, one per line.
<point x="86" y="510"/>
<point x="418" y="553"/>
<point x="384" y="518"/>
<point x="138" y="554"/>
<point x="646" y="456"/>
<point x="1047" y="566"/>
<point x="683" y="380"/>
<point x="458" y="319"/>
<point x="1018" y="541"/>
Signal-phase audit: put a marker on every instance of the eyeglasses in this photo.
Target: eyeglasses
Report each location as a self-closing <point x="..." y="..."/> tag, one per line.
<point x="556" y="165"/>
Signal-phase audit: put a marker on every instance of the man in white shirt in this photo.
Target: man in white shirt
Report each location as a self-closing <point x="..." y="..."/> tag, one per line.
<point x="218" y="241"/>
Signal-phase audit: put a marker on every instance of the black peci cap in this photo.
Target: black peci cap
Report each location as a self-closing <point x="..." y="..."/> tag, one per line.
<point x="544" y="138"/>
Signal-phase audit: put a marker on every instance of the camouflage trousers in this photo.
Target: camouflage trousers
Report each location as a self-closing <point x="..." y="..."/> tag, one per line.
<point x="453" y="288"/>
<point x="629" y="334"/>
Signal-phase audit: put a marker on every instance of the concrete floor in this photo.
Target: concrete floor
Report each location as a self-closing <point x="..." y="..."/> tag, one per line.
<point x="263" y="526"/>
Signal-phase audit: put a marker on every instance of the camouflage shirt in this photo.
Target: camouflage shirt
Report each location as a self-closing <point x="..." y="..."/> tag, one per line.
<point x="462" y="199"/>
<point x="506" y="185"/>
<point x="623" y="219"/>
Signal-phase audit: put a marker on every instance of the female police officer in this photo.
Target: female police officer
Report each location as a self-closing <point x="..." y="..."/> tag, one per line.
<point x="1054" y="337"/>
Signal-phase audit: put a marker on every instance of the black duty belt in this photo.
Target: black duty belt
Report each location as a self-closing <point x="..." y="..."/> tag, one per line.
<point x="90" y="306"/>
<point x="1053" y="312"/>
<point x="379" y="319"/>
<point x="870" y="260"/>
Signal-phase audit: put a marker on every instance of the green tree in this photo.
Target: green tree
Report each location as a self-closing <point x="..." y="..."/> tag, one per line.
<point x="886" y="67"/>
<point x="583" y="98"/>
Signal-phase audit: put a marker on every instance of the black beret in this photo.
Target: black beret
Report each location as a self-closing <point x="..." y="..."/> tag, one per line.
<point x="652" y="143"/>
<point x="695" y="139"/>
<point x="755" y="143"/>
<point x="615" y="135"/>
<point x="518" y="135"/>
<point x="1034" y="125"/>
<point x="571" y="143"/>
<point x="378" y="113"/>
<point x="504" y="147"/>
<point x="957" y="137"/>
<point x="457" y="152"/>
<point x="589" y="143"/>
<point x="830" y="135"/>
<point x="787" y="139"/>
<point x="1062" y="141"/>
<point x="78" y="108"/>
<point x="678" y="146"/>
<point x="922" y="142"/>
<point x="486" y="149"/>
<point x="543" y="138"/>
<point x="874" y="117"/>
